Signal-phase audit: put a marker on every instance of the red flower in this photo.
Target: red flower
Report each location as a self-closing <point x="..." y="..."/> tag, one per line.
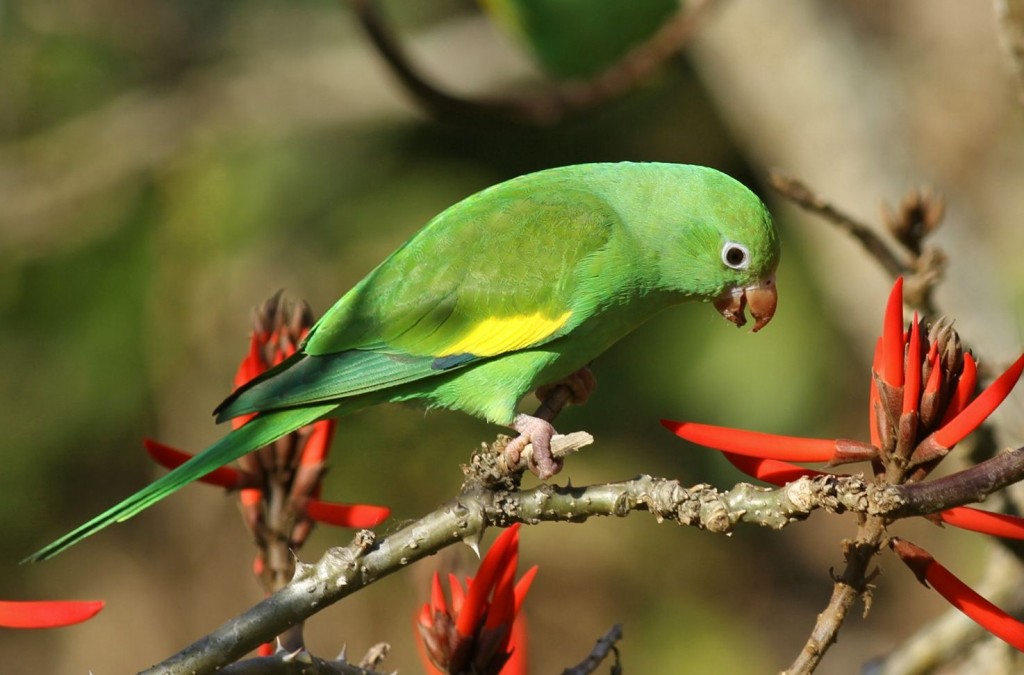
<point x="918" y="425"/>
<point x="340" y="515"/>
<point x="47" y="613"/>
<point x="920" y="407"/>
<point x="291" y="468"/>
<point x="483" y="631"/>
<point x="959" y="594"/>
<point x="279" y="485"/>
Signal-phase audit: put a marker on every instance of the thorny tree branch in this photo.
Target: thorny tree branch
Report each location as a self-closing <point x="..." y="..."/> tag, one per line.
<point x="547" y="107"/>
<point x="799" y="193"/>
<point x="482" y="503"/>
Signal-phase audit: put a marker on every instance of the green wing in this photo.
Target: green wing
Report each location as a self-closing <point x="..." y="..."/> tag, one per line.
<point x="508" y="269"/>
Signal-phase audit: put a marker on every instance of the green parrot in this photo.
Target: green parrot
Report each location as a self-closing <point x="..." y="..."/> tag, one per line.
<point x="580" y="38"/>
<point x="517" y="286"/>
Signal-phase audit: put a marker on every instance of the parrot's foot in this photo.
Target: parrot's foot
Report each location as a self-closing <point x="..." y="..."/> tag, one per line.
<point x="538" y="432"/>
<point x="580" y="384"/>
<point x="574" y="389"/>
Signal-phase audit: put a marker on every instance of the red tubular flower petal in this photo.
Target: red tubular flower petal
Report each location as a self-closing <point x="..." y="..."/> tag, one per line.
<point x="426" y="617"/>
<point x="964" y="390"/>
<point x="912" y="388"/>
<point x="437" y="602"/>
<point x="319" y="443"/>
<point x="516" y="664"/>
<point x="986" y="522"/>
<point x="892" y="337"/>
<point x="346" y="515"/>
<point x="980" y="408"/>
<point x="458" y="594"/>
<point x="278" y="345"/>
<point x="265" y="649"/>
<point x="170" y="458"/>
<point x="960" y="595"/>
<point x="250" y="497"/>
<point x="487" y="630"/>
<point x="770" y="470"/>
<point x="47" y="613"/>
<point x="252" y="365"/>
<point x="754" y="443"/>
<point x="241" y="420"/>
<point x="502" y="610"/>
<point x="490" y="571"/>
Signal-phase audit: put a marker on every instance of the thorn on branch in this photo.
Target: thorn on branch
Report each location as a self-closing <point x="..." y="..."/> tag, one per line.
<point x="299" y="663"/>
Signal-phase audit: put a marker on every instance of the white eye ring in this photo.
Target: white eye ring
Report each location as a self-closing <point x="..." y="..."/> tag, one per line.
<point x="735" y="255"/>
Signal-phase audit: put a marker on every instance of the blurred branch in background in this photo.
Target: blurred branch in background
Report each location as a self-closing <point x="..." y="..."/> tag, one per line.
<point x="919" y="215"/>
<point x="554" y="105"/>
<point x="309" y="86"/>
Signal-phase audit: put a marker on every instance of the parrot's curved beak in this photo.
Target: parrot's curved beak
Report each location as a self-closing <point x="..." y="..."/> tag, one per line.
<point x="760" y="298"/>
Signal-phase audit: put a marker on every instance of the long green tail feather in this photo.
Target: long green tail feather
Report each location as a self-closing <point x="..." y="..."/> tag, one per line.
<point x="261" y="431"/>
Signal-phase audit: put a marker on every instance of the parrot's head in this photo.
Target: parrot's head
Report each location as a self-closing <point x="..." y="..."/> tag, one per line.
<point x="728" y="249"/>
<point x="748" y="255"/>
<point x="760" y="295"/>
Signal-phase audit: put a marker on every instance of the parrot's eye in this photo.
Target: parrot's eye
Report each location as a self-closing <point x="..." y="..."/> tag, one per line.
<point x="735" y="255"/>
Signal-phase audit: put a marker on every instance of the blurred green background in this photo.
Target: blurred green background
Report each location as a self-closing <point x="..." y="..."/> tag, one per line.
<point x="164" y="167"/>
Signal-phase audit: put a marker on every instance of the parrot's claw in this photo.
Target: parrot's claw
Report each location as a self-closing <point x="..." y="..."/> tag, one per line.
<point x="581" y="385"/>
<point x="537" y="432"/>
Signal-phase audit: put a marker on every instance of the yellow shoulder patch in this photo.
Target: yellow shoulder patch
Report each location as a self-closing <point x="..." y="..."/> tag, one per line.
<point x="501" y="334"/>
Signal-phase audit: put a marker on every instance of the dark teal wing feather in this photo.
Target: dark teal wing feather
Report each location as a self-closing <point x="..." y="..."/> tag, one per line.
<point x="307" y="380"/>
